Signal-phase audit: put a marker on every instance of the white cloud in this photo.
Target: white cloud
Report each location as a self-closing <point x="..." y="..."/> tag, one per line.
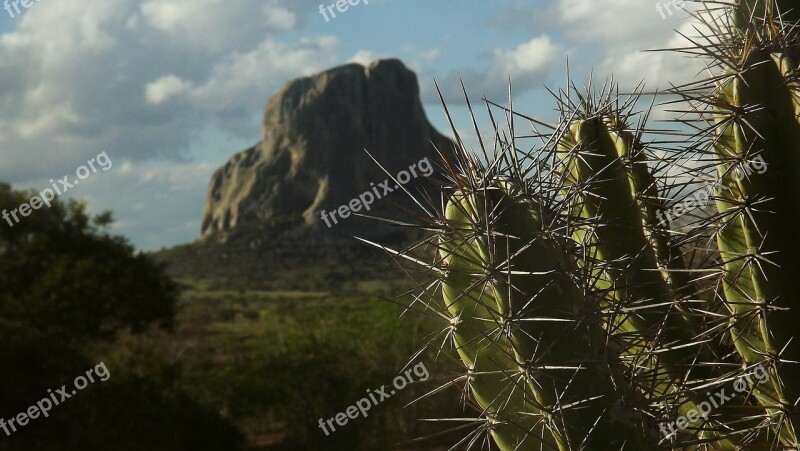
<point x="431" y="54"/>
<point x="633" y="21"/>
<point x="660" y="69"/>
<point x="143" y="78"/>
<point x="164" y="88"/>
<point x="611" y="37"/>
<point x="363" y="57"/>
<point x="530" y="58"/>
<point x="240" y="78"/>
<point x="103" y="76"/>
<point x="217" y="25"/>
<point x="280" y="18"/>
<point x="527" y="65"/>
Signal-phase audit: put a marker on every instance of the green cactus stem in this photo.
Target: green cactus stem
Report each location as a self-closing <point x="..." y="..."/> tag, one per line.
<point x="757" y="126"/>
<point x="521" y="327"/>
<point x="617" y="228"/>
<point x="750" y="12"/>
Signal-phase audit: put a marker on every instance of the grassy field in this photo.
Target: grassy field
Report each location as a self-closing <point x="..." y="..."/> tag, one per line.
<point x="275" y="361"/>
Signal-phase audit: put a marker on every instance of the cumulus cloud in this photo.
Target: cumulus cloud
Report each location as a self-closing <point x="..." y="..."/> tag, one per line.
<point x="362" y="57"/>
<point x="612" y="38"/>
<point x="240" y="78"/>
<point x="431" y="54"/>
<point x="216" y="25"/>
<point x="610" y="21"/>
<point x="164" y="88"/>
<point x="527" y="65"/>
<point x="528" y="60"/>
<point x="104" y="76"/>
<point x="145" y="81"/>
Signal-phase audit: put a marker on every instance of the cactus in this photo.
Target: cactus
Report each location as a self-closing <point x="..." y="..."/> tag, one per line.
<point x="533" y="350"/>
<point x="481" y="326"/>
<point x="756" y="112"/>
<point x="583" y="317"/>
<point x="614" y="210"/>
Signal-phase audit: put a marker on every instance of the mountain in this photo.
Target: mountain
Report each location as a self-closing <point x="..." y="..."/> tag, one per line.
<point x="313" y="157"/>
<point x="263" y="225"/>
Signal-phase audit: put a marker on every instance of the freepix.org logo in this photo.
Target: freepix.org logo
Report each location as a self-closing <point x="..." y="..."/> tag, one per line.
<point x="43" y="406"/>
<point x="367" y="198"/>
<point x="677" y="4"/>
<point x="8" y="5"/>
<point x="49" y="194"/>
<point x="340" y="5"/>
<point x="700" y="199"/>
<point x="741" y="385"/>
<point x="374" y="398"/>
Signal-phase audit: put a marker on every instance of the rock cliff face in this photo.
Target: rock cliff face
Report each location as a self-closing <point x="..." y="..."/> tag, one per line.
<point x="312" y="156"/>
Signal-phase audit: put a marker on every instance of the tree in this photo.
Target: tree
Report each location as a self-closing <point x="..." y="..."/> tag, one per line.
<point x="64" y="276"/>
<point x="66" y="287"/>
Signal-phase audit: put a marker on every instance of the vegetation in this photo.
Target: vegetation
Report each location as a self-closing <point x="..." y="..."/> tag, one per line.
<point x="68" y="291"/>
<point x="278" y="362"/>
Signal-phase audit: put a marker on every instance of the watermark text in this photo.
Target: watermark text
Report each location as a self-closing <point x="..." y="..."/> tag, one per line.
<point x="701" y="197"/>
<point x="373" y="398"/>
<point x="367" y="198"/>
<point x="45" y="404"/>
<point x="741" y="385"/>
<point x="340" y="5"/>
<point x="57" y="188"/>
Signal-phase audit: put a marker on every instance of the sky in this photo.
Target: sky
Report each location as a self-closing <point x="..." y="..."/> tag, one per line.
<point x="171" y="89"/>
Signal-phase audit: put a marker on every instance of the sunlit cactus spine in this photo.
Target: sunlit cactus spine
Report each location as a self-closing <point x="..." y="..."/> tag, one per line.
<point x="568" y="341"/>
<point x="481" y="328"/>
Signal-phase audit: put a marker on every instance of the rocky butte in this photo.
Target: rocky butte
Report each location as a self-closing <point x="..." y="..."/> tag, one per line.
<point x="312" y="154"/>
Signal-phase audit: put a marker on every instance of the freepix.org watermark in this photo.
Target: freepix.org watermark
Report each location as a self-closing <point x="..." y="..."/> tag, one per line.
<point x="741" y="385"/>
<point x="367" y="198"/>
<point x="53" y="399"/>
<point x="701" y="197"/>
<point x="373" y="398"/>
<point x="340" y="5"/>
<point x="48" y="194"/>
<point x="678" y="4"/>
<point x="8" y="4"/>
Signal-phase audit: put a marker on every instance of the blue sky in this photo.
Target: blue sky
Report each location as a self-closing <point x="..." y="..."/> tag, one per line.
<point x="170" y="89"/>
